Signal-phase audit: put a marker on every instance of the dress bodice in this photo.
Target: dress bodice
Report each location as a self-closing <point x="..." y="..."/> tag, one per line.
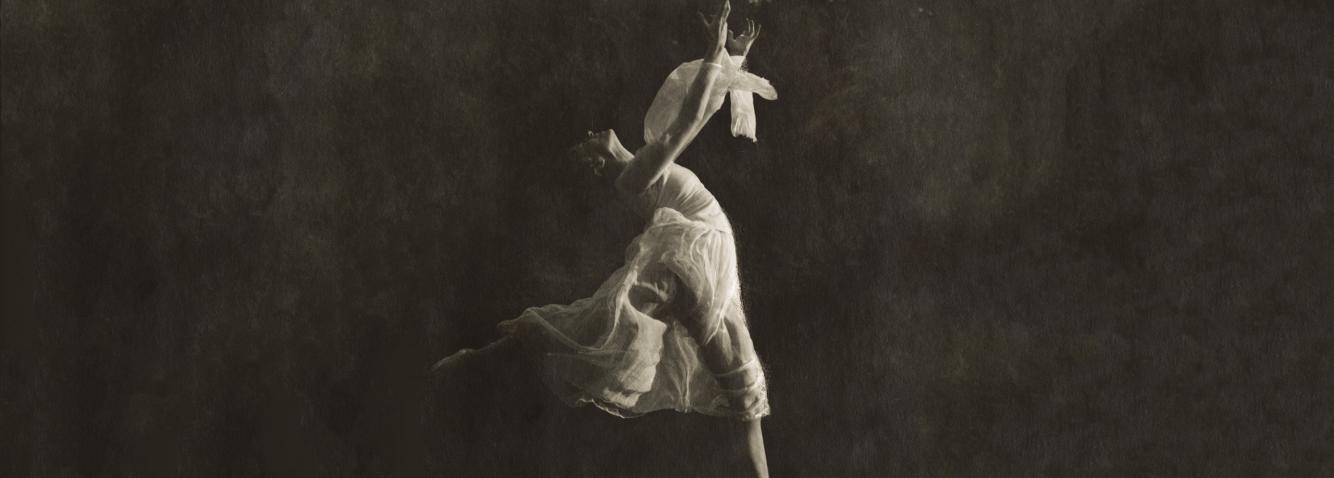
<point x="679" y="189"/>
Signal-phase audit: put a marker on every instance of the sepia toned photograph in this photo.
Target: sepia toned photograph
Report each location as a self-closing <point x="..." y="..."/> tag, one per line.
<point x="673" y="238"/>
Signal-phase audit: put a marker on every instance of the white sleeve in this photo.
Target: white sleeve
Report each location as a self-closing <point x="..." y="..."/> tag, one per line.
<point x="735" y="81"/>
<point x="743" y="109"/>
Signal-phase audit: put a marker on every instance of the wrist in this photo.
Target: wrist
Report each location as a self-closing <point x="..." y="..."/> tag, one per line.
<point x="739" y="61"/>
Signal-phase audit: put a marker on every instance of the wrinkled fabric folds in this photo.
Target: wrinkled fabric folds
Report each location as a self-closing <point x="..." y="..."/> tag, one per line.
<point x="604" y="351"/>
<point x="732" y="80"/>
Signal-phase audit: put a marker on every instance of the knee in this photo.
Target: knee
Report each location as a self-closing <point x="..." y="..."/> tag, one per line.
<point x="706" y="331"/>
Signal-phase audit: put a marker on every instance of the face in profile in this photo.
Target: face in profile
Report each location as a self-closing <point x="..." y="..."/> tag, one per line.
<point x="596" y="150"/>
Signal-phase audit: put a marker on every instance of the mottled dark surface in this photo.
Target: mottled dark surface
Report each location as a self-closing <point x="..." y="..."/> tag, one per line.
<point x="1016" y="238"/>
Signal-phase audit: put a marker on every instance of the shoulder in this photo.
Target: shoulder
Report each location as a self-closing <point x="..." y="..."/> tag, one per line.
<point x="680" y="180"/>
<point x="681" y="170"/>
<point x="680" y="175"/>
<point x="689" y="181"/>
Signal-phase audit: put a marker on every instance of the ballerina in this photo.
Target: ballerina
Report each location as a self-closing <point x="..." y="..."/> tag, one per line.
<point x="667" y="330"/>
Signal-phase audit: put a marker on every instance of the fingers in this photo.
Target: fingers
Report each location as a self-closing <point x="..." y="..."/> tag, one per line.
<point x="717" y="25"/>
<point x="752" y="29"/>
<point x="722" y="19"/>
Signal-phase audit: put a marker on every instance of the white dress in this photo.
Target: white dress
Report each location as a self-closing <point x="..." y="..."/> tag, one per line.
<point x="605" y="351"/>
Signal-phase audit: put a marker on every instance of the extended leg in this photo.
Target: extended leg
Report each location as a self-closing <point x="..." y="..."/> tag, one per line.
<point x="721" y="354"/>
<point x="725" y="354"/>
<point x="505" y="347"/>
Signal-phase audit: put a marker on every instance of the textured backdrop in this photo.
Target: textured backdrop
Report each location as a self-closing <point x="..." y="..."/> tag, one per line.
<point x="1014" y="238"/>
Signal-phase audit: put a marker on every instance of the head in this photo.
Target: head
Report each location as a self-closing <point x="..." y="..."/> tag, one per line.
<point x="602" y="153"/>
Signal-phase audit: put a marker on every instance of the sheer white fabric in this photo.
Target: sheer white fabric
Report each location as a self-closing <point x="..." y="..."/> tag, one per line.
<point x="733" y="81"/>
<point x="605" y="351"/>
<point x="743" y="114"/>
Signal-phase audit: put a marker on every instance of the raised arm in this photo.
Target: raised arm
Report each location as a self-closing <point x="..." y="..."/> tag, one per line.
<point x="654" y="158"/>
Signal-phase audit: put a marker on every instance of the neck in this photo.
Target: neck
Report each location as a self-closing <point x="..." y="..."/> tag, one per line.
<point x="617" y="163"/>
<point x="621" y="154"/>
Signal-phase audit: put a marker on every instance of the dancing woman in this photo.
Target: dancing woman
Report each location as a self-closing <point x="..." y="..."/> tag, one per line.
<point x="666" y="330"/>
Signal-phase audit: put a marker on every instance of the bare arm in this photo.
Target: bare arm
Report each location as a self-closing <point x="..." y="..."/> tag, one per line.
<point x="654" y="158"/>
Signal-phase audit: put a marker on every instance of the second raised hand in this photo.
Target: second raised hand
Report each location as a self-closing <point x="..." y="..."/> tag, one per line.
<point x="740" y="44"/>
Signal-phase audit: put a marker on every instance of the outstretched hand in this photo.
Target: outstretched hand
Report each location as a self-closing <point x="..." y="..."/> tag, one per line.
<point x="719" y="35"/>
<point x="740" y="44"/>
<point x="736" y="45"/>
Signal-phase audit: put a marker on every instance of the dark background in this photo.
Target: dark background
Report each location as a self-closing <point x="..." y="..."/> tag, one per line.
<point x="1016" y="238"/>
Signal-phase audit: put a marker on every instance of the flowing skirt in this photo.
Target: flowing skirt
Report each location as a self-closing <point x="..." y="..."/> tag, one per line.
<point x="602" y="350"/>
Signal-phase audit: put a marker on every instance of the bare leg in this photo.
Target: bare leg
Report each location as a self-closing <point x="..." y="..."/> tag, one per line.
<point x="719" y="355"/>
<point x="457" y="360"/>
<point x="754" y="440"/>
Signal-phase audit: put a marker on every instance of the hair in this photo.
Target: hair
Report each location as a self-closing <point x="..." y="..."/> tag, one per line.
<point x="579" y="153"/>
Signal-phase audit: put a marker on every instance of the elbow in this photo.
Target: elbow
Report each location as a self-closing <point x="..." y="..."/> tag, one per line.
<point x="692" y="114"/>
<point x="696" y="117"/>
<point x="697" y="113"/>
<point x="680" y="133"/>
